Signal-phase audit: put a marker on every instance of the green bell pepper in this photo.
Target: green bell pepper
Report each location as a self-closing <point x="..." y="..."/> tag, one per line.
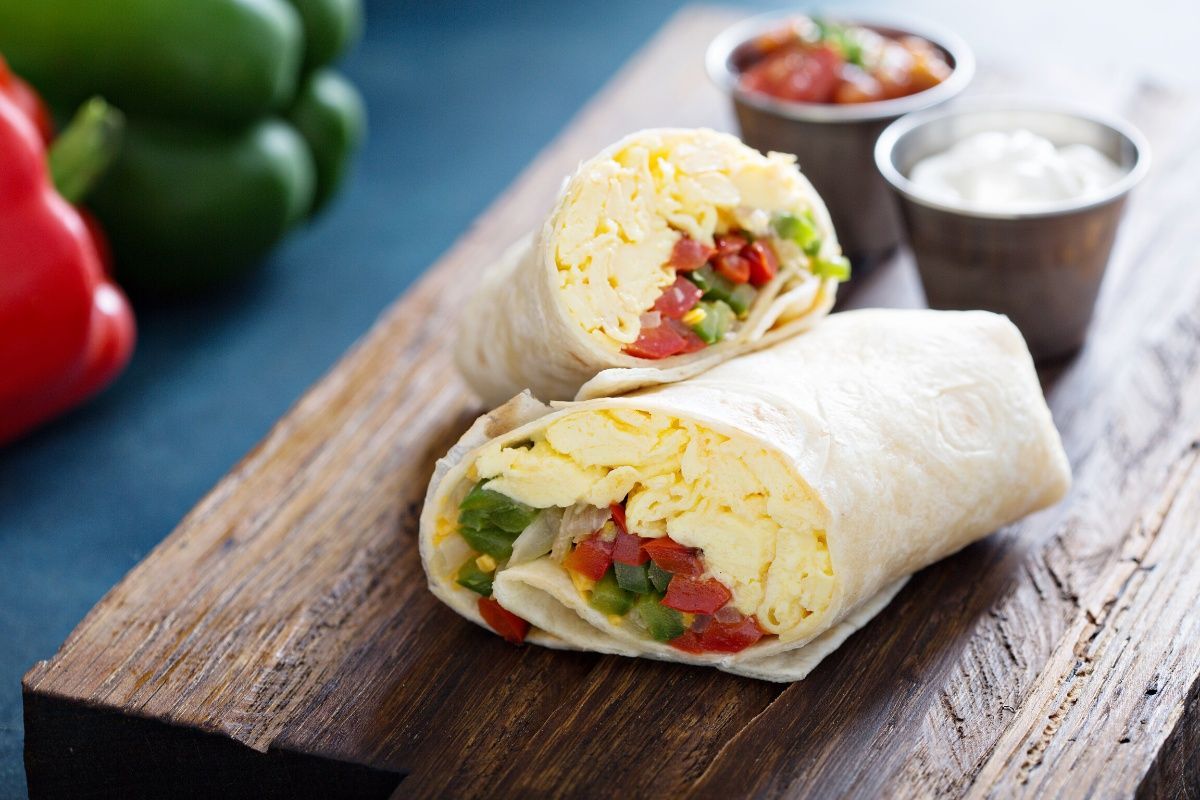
<point x="330" y="115"/>
<point x="209" y="178"/>
<point x="662" y="623"/>
<point x="609" y="598"/>
<point x="185" y="207"/>
<point x="718" y="316"/>
<point x="631" y="577"/>
<point x="330" y="27"/>
<point x="210" y="61"/>
<point x="470" y="576"/>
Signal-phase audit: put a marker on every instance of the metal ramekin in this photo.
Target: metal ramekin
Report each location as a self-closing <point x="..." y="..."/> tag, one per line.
<point x="835" y="143"/>
<point x="1042" y="267"/>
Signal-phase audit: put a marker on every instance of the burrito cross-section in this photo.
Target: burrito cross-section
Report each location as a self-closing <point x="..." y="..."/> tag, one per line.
<point x="752" y="517"/>
<point x="670" y="251"/>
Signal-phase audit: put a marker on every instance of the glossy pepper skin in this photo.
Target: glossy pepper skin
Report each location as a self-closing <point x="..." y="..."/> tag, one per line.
<point x="235" y="134"/>
<point x="330" y="115"/>
<point x="209" y="61"/>
<point x="187" y="207"/>
<point x="65" y="329"/>
<point x="330" y="27"/>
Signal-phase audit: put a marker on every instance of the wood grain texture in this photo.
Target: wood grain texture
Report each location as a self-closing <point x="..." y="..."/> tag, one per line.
<point x="285" y="625"/>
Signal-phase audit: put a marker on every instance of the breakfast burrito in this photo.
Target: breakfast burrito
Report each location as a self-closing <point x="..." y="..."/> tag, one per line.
<point x="750" y="518"/>
<point x="665" y="254"/>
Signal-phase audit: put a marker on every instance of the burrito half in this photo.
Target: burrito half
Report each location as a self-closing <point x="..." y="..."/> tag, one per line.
<point x="753" y="517"/>
<point x="665" y="254"/>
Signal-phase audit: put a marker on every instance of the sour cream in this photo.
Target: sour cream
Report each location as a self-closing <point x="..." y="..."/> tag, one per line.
<point x="1001" y="171"/>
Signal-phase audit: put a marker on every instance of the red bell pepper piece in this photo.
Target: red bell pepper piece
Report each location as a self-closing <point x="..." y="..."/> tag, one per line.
<point x="629" y="550"/>
<point x="729" y="243"/>
<point x="591" y="558"/>
<point x="678" y="298"/>
<point x="730" y="637"/>
<point x="26" y="99"/>
<point x="66" y="330"/>
<point x="674" y="557"/>
<point x="688" y="254"/>
<point x="618" y="516"/>
<point x="696" y="596"/>
<point x="688" y="641"/>
<point x="734" y="266"/>
<point x="763" y="263"/>
<point x="502" y="621"/>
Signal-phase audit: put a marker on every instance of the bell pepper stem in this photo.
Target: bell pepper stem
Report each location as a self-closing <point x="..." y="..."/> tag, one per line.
<point x="85" y="149"/>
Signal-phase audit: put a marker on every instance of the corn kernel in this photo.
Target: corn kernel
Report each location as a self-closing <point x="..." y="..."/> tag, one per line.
<point x="614" y="619"/>
<point x="695" y="316"/>
<point x="486" y="563"/>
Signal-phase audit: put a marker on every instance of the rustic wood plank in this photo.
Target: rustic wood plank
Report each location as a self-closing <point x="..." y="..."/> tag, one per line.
<point x="284" y="630"/>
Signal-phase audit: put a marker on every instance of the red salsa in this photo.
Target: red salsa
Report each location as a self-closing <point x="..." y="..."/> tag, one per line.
<point x="815" y="61"/>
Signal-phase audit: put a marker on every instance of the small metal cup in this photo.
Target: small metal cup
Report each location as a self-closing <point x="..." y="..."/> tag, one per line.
<point x="834" y="144"/>
<point x="1042" y="268"/>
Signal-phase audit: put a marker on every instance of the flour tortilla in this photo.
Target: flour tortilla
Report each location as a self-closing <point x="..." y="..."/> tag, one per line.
<point x="516" y="333"/>
<point x="919" y="431"/>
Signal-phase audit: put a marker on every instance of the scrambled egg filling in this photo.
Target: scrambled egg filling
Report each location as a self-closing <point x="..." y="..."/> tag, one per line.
<point x="761" y="529"/>
<point x="623" y="216"/>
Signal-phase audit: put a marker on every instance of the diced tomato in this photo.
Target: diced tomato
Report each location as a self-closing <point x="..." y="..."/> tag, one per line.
<point x="503" y="621"/>
<point x="618" y="516"/>
<point x="674" y="557"/>
<point x="729" y="243"/>
<point x="763" y="263"/>
<point x="721" y="637"/>
<point x="628" y="550"/>
<point x="591" y="558"/>
<point x="678" y="298"/>
<point x="691" y="340"/>
<point x="696" y="596"/>
<point x="734" y="266"/>
<point x="658" y="342"/>
<point x="688" y="642"/>
<point x="689" y="254"/>
<point x="799" y="72"/>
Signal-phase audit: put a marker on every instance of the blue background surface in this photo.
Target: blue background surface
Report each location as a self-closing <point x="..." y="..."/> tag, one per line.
<point x="461" y="96"/>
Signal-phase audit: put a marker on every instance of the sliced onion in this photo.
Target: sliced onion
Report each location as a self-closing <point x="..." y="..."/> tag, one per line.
<point x="578" y="522"/>
<point x="651" y="319"/>
<point x="701" y="623"/>
<point x="537" y="539"/>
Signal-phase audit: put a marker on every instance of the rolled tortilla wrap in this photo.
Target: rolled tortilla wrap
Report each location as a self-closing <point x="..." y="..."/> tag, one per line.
<point x="813" y="476"/>
<point x="565" y="304"/>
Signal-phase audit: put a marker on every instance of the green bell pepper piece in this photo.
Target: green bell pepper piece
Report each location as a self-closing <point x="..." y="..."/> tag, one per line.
<point x="330" y="27"/>
<point x="741" y="298"/>
<point x="632" y="578"/>
<point x="482" y="507"/>
<point x="802" y="230"/>
<point x="491" y="540"/>
<point x="187" y="207"/>
<point x="659" y="577"/>
<point x="609" y="598"/>
<point x="475" y="579"/>
<point x="837" y="267"/>
<point x="209" y="61"/>
<point x="663" y="624"/>
<point x="718" y="316"/>
<point x="330" y="115"/>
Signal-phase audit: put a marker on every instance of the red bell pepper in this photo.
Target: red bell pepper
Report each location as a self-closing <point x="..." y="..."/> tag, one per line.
<point x="502" y="621"/>
<point x="675" y="557"/>
<point x="591" y="558"/>
<point x="66" y="330"/>
<point x="26" y="99"/>
<point x="696" y="596"/>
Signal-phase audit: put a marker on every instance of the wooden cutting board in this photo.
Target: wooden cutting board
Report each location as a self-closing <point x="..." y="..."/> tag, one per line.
<point x="281" y="642"/>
